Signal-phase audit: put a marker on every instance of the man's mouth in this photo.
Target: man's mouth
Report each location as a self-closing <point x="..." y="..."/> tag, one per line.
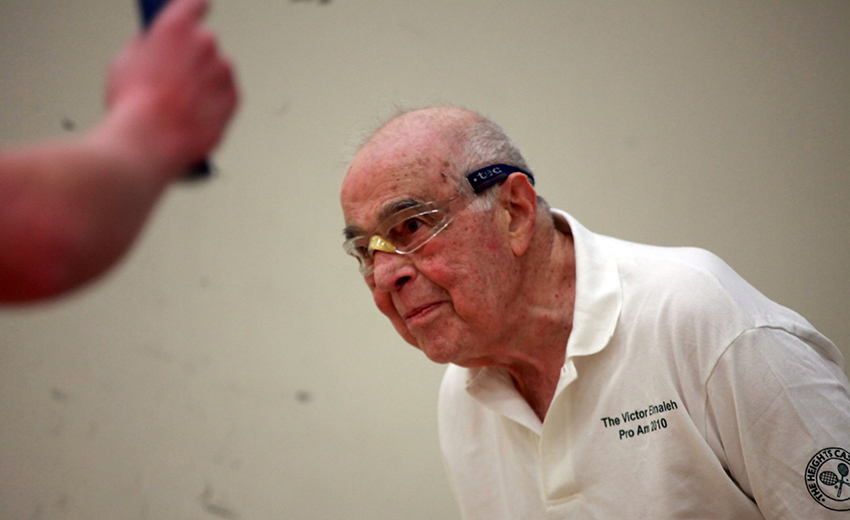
<point x="420" y="311"/>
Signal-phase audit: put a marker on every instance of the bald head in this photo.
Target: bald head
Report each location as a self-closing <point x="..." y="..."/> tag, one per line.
<point x="447" y="265"/>
<point x="443" y="117"/>
<point x="426" y="151"/>
<point x="462" y="140"/>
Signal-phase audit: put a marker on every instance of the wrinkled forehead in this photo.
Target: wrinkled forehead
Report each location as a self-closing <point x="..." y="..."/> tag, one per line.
<point x="376" y="184"/>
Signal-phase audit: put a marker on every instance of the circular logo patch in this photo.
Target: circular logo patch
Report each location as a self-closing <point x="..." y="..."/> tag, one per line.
<point x="828" y="478"/>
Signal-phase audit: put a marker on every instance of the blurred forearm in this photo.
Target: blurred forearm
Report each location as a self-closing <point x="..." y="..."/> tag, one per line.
<point x="68" y="211"/>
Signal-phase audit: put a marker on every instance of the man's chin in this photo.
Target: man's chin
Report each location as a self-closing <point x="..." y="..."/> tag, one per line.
<point x="440" y="354"/>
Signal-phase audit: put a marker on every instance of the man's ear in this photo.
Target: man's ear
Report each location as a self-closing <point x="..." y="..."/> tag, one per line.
<point x="519" y="200"/>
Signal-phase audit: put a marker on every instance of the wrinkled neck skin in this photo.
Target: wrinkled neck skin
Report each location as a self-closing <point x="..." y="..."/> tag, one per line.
<point x="542" y="313"/>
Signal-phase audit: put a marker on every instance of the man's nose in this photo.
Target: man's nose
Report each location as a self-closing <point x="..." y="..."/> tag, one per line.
<point x="392" y="271"/>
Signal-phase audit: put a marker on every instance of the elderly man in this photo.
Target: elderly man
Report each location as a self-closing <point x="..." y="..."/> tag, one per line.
<point x="588" y="377"/>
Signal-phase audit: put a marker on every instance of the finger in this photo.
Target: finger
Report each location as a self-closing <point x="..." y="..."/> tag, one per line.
<point x="182" y="12"/>
<point x="207" y="44"/>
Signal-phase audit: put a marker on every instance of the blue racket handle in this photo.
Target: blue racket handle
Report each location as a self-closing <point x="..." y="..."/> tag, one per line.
<point x="149" y="10"/>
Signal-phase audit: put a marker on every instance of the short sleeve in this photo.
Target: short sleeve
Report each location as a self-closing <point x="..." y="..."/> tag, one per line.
<point x="778" y="411"/>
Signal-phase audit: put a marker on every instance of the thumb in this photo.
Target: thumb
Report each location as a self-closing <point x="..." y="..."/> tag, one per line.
<point x="181" y="13"/>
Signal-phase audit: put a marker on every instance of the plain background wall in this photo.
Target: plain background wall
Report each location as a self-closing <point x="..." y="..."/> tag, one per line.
<point x="234" y="366"/>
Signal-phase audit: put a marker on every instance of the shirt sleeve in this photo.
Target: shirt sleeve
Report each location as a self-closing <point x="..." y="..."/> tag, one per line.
<point x="778" y="410"/>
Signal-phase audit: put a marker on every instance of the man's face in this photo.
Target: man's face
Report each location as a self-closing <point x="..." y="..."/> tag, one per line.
<point x="445" y="297"/>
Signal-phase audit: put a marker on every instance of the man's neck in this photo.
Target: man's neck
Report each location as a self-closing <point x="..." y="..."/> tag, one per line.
<point x="544" y="333"/>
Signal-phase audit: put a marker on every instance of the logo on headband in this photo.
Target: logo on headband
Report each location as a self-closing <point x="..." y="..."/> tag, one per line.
<point x="493" y="174"/>
<point x="828" y="478"/>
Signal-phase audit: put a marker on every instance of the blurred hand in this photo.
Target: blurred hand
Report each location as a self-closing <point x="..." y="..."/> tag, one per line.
<point x="69" y="210"/>
<point x="171" y="91"/>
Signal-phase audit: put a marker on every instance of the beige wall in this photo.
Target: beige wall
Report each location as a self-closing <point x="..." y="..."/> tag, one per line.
<point x="233" y="366"/>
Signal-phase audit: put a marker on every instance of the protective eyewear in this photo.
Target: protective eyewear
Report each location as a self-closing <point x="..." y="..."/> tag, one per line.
<point x="408" y="229"/>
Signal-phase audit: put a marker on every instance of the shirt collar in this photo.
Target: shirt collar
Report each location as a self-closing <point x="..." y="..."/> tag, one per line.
<point x="598" y="302"/>
<point x="598" y="298"/>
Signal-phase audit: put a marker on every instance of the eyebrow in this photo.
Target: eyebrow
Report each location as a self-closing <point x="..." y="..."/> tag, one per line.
<point x="390" y="209"/>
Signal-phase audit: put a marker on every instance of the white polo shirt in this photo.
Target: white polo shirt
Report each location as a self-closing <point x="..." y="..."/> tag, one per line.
<point x="686" y="394"/>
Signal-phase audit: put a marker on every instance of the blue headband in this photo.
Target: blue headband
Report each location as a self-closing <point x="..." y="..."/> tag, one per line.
<point x="491" y="175"/>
